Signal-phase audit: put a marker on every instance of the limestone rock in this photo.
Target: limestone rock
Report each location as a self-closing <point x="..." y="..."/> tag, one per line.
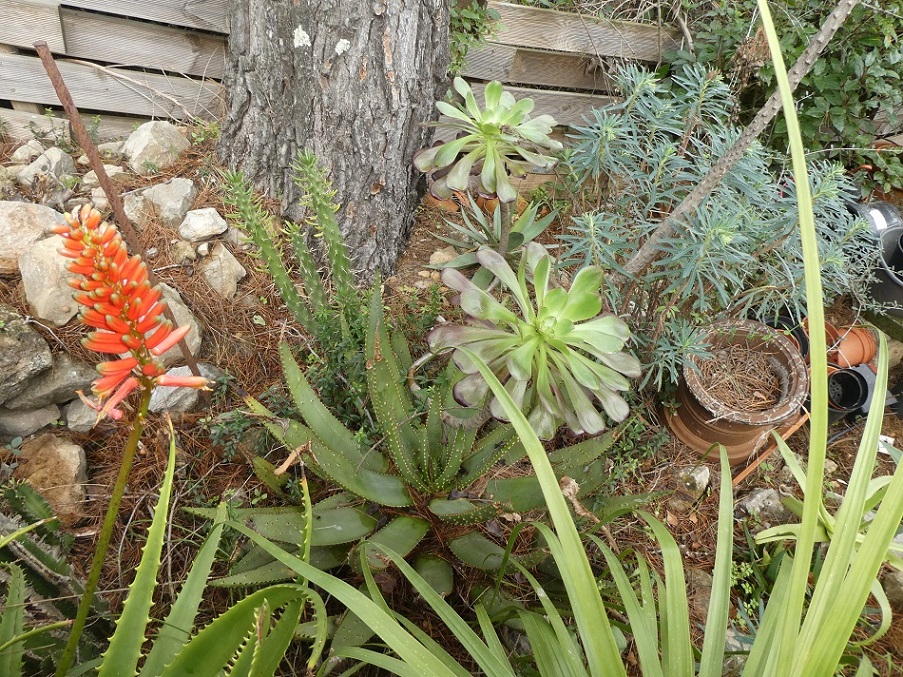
<point x="183" y="316"/>
<point x="694" y="481"/>
<point x="21" y="423"/>
<point x="23" y="353"/>
<point x="80" y="418"/>
<point x="165" y="398"/>
<point x="55" y="467"/>
<point x="154" y="146"/>
<point x="44" y="276"/>
<point x="442" y="256"/>
<point x="99" y="199"/>
<point x="892" y="582"/>
<point x="223" y="271"/>
<point x="111" y="150"/>
<point x="137" y="208"/>
<point x="90" y="181"/>
<point x="765" y="504"/>
<point x="56" y="385"/>
<point x="52" y="161"/>
<point x="201" y="224"/>
<point x="21" y="225"/>
<point x="182" y="252"/>
<point x="27" y="152"/>
<point x="171" y="200"/>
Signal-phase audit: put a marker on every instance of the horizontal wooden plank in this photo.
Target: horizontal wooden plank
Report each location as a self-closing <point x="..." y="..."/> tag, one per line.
<point x="567" y="32"/>
<point x="19" y="125"/>
<point x="24" y="22"/>
<point x="207" y="15"/>
<point x="110" y="89"/>
<point x="507" y="63"/>
<point x="138" y="43"/>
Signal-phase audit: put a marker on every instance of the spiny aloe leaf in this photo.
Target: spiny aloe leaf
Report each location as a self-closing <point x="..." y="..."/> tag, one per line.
<point x="12" y="622"/>
<point x="402" y="535"/>
<point x="437" y="572"/>
<point x="462" y="512"/>
<point x="475" y="549"/>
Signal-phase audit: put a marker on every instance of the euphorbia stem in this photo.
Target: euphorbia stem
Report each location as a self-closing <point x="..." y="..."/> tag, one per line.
<point x="106" y="533"/>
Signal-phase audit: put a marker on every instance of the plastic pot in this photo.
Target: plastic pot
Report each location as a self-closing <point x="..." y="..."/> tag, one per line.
<point x="848" y="391"/>
<point x="702" y="421"/>
<point x="888" y="285"/>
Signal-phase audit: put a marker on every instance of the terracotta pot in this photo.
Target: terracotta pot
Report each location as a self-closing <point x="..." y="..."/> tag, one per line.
<point x="856" y="346"/>
<point x="793" y="331"/>
<point x="702" y="421"/>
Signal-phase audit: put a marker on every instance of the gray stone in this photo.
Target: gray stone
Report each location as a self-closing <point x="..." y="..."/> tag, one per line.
<point x="45" y="277"/>
<point x="21" y="423"/>
<point x="765" y="505"/>
<point x="171" y="200"/>
<point x="892" y="582"/>
<point x="694" y="481"/>
<point x="223" y="271"/>
<point x="111" y="150"/>
<point x="52" y="162"/>
<point x="182" y="252"/>
<point x="27" y="152"/>
<point x="203" y="249"/>
<point x="442" y="256"/>
<point x="165" y="398"/>
<point x="137" y="208"/>
<point x="183" y="316"/>
<point x="23" y="353"/>
<point x="56" y="468"/>
<point x="201" y="224"/>
<point x="21" y="225"/>
<point x="99" y="199"/>
<point x="56" y="385"/>
<point x="154" y="146"/>
<point x="237" y="238"/>
<point x="699" y="587"/>
<point x="90" y="180"/>
<point x="80" y="418"/>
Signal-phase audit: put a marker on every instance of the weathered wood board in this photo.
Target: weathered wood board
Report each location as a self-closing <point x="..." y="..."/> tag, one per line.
<point x="206" y="15"/>
<point x="20" y="125"/>
<point x="22" y="22"/>
<point x="110" y="89"/>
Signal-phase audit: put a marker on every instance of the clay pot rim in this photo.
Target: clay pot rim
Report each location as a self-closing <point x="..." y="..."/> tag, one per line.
<point x="797" y="386"/>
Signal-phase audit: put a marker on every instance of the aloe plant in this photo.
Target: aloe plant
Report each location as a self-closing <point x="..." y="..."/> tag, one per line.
<point x="419" y="473"/>
<point x="555" y="355"/>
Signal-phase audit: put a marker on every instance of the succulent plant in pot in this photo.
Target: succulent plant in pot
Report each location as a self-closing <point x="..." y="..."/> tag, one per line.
<point x="495" y="142"/>
<point x="558" y="355"/>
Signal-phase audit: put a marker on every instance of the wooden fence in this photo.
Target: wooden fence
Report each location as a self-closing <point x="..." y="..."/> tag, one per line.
<point x="164" y="58"/>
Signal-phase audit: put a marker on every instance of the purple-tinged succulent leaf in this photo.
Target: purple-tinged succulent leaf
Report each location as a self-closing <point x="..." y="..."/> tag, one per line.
<point x="614" y="405"/>
<point x="470" y="390"/>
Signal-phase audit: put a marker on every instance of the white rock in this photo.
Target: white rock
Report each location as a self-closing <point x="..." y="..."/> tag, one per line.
<point x="201" y="224"/>
<point x="80" y="418"/>
<point x="21" y="225"/>
<point x="55" y="385"/>
<point x="182" y="252"/>
<point x="237" y="238"/>
<point x="443" y="256"/>
<point x="171" y="200"/>
<point x="137" y="208"/>
<point x="55" y="467"/>
<point x="52" y="161"/>
<point x="154" y="146"/>
<point x="23" y="353"/>
<point x="45" y="279"/>
<point x="99" y="199"/>
<point x="19" y="423"/>
<point x="765" y="504"/>
<point x="89" y="180"/>
<point x="165" y="398"/>
<point x="27" y="152"/>
<point x="694" y="480"/>
<point x="203" y="249"/>
<point x="223" y="271"/>
<point x="183" y="316"/>
<point x="111" y="149"/>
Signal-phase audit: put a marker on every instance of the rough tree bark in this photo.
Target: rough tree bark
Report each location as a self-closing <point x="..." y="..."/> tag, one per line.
<point x="350" y="80"/>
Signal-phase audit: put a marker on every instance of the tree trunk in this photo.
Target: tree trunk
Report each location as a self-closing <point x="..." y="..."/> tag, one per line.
<point x="350" y="80"/>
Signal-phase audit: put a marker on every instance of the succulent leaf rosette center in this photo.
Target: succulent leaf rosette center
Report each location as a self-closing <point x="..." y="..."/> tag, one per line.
<point x="556" y="353"/>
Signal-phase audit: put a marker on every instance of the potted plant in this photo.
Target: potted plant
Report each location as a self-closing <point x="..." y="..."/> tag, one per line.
<point x="754" y="381"/>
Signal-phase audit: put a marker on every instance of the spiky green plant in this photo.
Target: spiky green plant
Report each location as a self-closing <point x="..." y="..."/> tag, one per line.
<point x="419" y="473"/>
<point x="555" y="353"/>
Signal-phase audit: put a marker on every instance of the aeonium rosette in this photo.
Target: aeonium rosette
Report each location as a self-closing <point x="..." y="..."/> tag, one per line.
<point x="118" y="301"/>
<point x="556" y="353"/>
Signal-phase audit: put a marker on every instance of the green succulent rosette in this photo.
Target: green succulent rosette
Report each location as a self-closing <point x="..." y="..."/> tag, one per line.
<point x="498" y="141"/>
<point x="557" y="354"/>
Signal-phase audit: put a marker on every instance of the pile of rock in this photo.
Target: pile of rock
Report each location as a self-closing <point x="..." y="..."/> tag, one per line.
<point x="38" y="386"/>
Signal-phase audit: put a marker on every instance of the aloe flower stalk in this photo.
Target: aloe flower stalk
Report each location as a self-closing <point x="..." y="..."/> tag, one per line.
<point x="127" y="314"/>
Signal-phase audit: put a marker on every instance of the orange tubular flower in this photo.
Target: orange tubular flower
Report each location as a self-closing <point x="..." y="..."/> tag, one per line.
<point x="118" y="301"/>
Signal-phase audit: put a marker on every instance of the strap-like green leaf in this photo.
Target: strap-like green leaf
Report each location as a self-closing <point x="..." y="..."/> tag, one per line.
<point x="12" y="621"/>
